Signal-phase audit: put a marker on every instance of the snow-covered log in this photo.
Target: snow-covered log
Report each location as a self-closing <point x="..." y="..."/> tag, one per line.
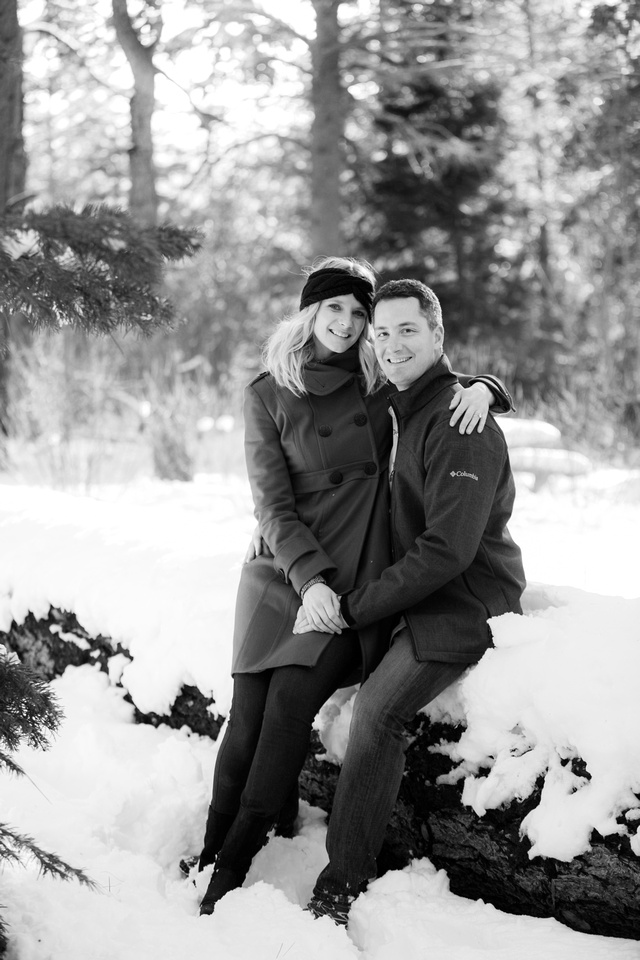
<point x="485" y="857"/>
<point x="548" y="461"/>
<point x="484" y="854"/>
<point x="521" y="432"/>
<point x="57" y="641"/>
<point x="536" y="447"/>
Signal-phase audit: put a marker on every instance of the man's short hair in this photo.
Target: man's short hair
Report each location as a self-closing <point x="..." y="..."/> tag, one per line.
<point x="429" y="303"/>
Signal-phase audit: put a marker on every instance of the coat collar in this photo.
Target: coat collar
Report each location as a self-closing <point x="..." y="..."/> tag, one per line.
<point x="425" y="388"/>
<point x="322" y="378"/>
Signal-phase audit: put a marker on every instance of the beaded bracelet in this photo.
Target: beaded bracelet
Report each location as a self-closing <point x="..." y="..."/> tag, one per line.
<point x="311" y="583"/>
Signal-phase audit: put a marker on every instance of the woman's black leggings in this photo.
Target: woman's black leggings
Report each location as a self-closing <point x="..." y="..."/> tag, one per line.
<point x="267" y="736"/>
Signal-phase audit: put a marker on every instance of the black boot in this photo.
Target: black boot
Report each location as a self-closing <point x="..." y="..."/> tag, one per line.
<point x="246" y="836"/>
<point x="215" y="832"/>
<point x="286" y="823"/>
<point x="334" y="901"/>
<point x="223" y="880"/>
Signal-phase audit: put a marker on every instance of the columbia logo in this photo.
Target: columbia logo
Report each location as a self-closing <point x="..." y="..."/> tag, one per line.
<point x="463" y="473"/>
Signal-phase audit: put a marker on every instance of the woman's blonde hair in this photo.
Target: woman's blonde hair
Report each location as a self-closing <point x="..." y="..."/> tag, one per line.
<point x="290" y="346"/>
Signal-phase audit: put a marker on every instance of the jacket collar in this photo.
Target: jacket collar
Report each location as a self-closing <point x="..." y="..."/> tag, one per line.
<point x="424" y="389"/>
<point x="339" y="369"/>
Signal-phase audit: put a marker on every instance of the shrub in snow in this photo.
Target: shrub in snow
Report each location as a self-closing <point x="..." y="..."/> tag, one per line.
<point x="29" y="714"/>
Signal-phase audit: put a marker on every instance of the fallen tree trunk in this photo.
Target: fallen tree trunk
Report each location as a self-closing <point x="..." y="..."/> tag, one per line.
<point x="50" y="645"/>
<point x="485" y="857"/>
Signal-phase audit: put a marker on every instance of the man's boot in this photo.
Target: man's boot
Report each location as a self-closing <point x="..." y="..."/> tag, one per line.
<point x="334" y="901"/>
<point x="246" y="836"/>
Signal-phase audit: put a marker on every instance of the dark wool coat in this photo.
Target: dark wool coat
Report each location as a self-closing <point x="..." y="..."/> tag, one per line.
<point x="317" y="465"/>
<point x="455" y="563"/>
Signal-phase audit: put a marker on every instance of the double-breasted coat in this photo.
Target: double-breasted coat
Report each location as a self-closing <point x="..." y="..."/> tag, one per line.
<point x="317" y="466"/>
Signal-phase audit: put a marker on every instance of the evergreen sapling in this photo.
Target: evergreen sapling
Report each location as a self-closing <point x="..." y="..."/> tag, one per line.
<point x="29" y="716"/>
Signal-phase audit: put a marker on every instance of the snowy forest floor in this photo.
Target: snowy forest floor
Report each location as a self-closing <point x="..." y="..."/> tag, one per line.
<point x="125" y="802"/>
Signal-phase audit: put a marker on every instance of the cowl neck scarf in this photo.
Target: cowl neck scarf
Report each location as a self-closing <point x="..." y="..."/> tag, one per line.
<point x="325" y="376"/>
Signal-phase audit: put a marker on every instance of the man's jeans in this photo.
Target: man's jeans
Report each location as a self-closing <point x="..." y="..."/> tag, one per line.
<point x="374" y="762"/>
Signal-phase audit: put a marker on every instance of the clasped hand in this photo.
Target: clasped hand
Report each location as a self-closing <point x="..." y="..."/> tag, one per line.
<point x="471" y="407"/>
<point x="320" y="611"/>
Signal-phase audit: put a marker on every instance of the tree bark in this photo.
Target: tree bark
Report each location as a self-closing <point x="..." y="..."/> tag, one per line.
<point x="484" y="857"/>
<point x="550" y="312"/>
<point x="12" y="155"/>
<point x="143" y="199"/>
<point x="51" y="644"/>
<point x="327" y="131"/>
<point x="13" y="166"/>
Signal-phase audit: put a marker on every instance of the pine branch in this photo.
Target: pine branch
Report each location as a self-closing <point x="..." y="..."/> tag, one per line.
<point x="14" y="846"/>
<point x="10" y="764"/>
<point x="94" y="269"/>
<point x="29" y="710"/>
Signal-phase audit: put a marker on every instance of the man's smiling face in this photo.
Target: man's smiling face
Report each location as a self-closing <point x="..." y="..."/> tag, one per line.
<point x="406" y="347"/>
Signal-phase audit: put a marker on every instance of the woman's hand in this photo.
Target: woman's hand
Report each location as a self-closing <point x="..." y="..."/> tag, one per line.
<point x="256" y="547"/>
<point x="302" y="624"/>
<point x="320" y="611"/>
<point x="471" y="406"/>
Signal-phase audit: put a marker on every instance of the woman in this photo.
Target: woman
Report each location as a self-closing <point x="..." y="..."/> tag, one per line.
<point x="317" y="441"/>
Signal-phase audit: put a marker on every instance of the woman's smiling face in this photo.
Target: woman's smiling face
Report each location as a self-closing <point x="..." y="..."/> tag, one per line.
<point x="338" y="325"/>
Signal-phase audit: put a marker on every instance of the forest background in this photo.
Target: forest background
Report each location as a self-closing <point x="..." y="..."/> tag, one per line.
<point x="490" y="148"/>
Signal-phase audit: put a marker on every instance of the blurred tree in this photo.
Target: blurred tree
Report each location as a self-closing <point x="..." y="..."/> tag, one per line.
<point x="536" y="40"/>
<point x="143" y="200"/>
<point x="602" y="158"/>
<point x="93" y="269"/>
<point x="430" y="184"/>
<point x="328" y="107"/>
<point x="442" y="146"/>
<point x="77" y="113"/>
<point x="440" y="138"/>
<point x="12" y="156"/>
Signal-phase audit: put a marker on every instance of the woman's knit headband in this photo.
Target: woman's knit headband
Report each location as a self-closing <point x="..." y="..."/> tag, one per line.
<point x="334" y="282"/>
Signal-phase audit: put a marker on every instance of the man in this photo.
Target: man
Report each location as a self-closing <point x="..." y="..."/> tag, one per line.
<point x="455" y="566"/>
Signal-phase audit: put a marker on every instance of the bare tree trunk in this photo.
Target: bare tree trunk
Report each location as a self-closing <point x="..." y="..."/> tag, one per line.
<point x="464" y="285"/>
<point x="12" y="156"/>
<point x="13" y="164"/>
<point x="550" y="315"/>
<point x="143" y="202"/>
<point x="327" y="131"/>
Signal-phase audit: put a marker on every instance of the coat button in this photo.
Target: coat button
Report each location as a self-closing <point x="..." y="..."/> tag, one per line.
<point x="325" y="430"/>
<point x="360" y="419"/>
<point x="370" y="469"/>
<point x="335" y="477"/>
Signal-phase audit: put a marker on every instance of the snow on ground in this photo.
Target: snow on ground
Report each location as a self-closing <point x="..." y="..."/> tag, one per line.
<point x="155" y="566"/>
